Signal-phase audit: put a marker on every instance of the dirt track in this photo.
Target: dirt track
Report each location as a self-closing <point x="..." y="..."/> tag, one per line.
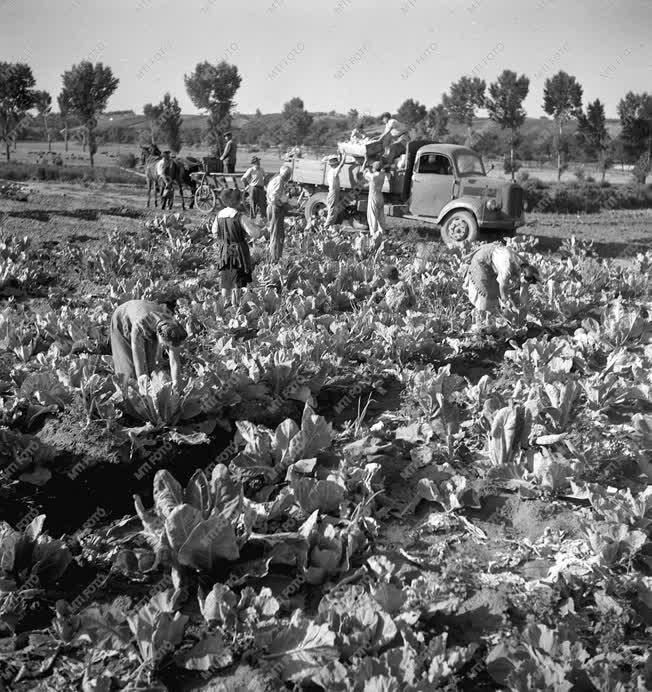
<point x="57" y="212"/>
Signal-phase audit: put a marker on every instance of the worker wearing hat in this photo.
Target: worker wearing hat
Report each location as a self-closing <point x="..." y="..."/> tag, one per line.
<point x="254" y="180"/>
<point x="333" y="202"/>
<point x="229" y="153"/>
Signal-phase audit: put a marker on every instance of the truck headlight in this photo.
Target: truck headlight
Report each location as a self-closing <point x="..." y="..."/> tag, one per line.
<point x="492" y="205"/>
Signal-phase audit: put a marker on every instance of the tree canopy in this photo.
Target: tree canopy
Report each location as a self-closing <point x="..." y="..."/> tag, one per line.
<point x="465" y="97"/>
<point x="212" y="88"/>
<point x="89" y="88"/>
<point x="17" y="96"/>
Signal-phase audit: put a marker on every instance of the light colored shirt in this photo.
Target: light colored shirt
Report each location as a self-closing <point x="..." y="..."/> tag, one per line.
<point x="276" y="191"/>
<point x="254" y="177"/>
<point x="333" y="177"/>
<point x="395" y="130"/>
<point x="506" y="265"/>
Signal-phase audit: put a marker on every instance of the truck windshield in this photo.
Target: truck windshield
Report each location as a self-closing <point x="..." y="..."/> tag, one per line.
<point x="469" y="164"/>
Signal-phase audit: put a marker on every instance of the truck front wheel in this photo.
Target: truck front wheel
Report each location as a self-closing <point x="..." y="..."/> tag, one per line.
<point x="460" y="227"/>
<point x="315" y="205"/>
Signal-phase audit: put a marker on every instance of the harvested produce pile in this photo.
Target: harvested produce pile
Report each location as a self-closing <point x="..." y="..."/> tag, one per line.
<point x="352" y="492"/>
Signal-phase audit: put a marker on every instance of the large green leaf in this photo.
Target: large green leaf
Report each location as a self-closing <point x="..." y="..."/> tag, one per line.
<point x="51" y="559"/>
<point x="168" y="493"/>
<point x="324" y="496"/>
<point x="180" y="523"/>
<point x="198" y="493"/>
<point x="282" y="436"/>
<point x="211" y="542"/>
<point x="209" y="653"/>
<point x="219" y="604"/>
<point x="301" y="649"/>
<point x="315" y="435"/>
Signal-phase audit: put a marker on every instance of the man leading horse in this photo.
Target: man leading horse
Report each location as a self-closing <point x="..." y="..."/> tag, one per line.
<point x="162" y="171"/>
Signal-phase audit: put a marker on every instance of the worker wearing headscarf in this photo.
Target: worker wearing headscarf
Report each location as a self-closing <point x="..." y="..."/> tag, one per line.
<point x="277" y="205"/>
<point x="232" y="230"/>
<point x="494" y="274"/>
<point x="140" y="329"/>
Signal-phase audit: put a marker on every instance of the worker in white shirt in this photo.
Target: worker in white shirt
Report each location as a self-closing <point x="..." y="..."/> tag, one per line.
<point x="333" y="202"/>
<point x="395" y="138"/>
<point x="277" y="205"/>
<point x="254" y="180"/>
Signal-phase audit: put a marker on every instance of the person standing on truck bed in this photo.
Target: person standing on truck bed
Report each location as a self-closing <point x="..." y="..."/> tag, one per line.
<point x="229" y="153"/>
<point x="491" y="278"/>
<point x="254" y="178"/>
<point x="395" y="138"/>
<point x="277" y="205"/>
<point x="333" y="201"/>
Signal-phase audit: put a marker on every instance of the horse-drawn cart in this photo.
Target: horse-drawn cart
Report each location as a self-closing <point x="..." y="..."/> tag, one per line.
<point x="211" y="185"/>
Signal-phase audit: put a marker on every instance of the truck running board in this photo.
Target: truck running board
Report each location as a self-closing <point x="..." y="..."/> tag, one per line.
<point x="425" y="219"/>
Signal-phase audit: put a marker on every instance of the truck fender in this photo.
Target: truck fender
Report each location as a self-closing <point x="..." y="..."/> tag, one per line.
<point x="457" y="205"/>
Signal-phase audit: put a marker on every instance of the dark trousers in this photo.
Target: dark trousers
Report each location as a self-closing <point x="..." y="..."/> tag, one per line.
<point x="229" y="166"/>
<point x="276" y="218"/>
<point x="257" y="201"/>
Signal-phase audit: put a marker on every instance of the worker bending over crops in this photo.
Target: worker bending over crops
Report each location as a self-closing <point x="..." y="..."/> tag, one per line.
<point x="492" y="277"/>
<point x="333" y="201"/>
<point x="140" y="330"/>
<point x="277" y="206"/>
<point x="254" y="179"/>
<point x="375" y="176"/>
<point x="232" y="229"/>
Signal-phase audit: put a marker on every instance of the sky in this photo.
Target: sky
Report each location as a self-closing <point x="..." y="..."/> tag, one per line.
<point x="335" y="54"/>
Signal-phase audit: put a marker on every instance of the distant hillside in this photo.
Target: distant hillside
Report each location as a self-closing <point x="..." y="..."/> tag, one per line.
<point x="130" y="120"/>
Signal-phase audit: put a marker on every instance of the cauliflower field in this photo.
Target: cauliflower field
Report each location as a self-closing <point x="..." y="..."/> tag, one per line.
<point x="352" y="492"/>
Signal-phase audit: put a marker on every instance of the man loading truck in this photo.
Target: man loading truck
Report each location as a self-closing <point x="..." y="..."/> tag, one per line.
<point x="395" y="138"/>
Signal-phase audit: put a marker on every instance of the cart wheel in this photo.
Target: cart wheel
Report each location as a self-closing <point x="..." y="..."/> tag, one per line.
<point x="205" y="199"/>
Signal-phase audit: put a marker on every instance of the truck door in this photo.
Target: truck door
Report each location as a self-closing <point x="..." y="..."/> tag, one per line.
<point x="432" y="184"/>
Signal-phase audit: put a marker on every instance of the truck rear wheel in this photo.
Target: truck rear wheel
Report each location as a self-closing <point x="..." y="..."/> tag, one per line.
<point x="315" y="205"/>
<point x="460" y="227"/>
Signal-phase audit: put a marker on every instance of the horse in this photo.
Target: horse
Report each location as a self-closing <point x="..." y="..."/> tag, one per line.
<point x="179" y="171"/>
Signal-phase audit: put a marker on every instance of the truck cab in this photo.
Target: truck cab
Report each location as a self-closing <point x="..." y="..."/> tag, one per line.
<point x="445" y="185"/>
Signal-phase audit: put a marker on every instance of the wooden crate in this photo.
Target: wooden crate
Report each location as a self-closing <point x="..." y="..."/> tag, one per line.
<point x="370" y="149"/>
<point x="310" y="172"/>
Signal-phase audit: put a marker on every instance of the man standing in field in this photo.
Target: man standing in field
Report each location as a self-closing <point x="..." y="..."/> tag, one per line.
<point x="229" y="153"/>
<point x="333" y="201"/>
<point x="254" y="179"/>
<point x="163" y="173"/>
<point x="277" y="203"/>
